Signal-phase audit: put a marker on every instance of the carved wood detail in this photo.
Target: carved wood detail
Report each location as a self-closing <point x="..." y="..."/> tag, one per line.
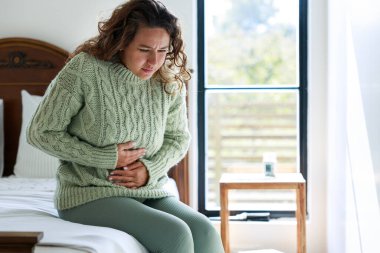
<point x="19" y="59"/>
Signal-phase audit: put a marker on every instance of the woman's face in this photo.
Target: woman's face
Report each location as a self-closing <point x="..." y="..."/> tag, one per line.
<point x="147" y="51"/>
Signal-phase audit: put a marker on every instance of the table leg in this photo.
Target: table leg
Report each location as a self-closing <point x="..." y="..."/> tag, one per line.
<point x="301" y="219"/>
<point x="224" y="213"/>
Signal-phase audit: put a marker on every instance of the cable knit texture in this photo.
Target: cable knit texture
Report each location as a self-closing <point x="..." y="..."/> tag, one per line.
<point x="89" y="108"/>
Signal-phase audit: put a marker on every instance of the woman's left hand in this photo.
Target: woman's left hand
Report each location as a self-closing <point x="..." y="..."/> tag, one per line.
<point x="133" y="176"/>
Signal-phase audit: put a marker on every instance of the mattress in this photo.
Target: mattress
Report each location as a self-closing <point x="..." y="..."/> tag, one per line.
<point x="27" y="205"/>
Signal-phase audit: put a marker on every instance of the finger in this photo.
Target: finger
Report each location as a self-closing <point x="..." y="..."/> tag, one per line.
<point x="135" y="165"/>
<point x="136" y="152"/>
<point x="121" y="176"/>
<point x="115" y="178"/>
<point x="127" y="145"/>
<point x="118" y="172"/>
<point x="133" y="156"/>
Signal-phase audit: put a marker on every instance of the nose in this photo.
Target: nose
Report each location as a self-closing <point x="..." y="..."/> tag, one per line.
<point x="152" y="58"/>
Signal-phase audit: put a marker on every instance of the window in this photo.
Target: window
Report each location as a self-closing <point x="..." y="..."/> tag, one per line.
<point x="252" y="98"/>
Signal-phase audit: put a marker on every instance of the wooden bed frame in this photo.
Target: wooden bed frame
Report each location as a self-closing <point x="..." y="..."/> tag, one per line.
<point x="31" y="64"/>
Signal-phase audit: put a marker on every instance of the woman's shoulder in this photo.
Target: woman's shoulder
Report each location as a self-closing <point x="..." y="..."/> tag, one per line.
<point x="76" y="62"/>
<point x="171" y="91"/>
<point x="171" y="88"/>
<point x="84" y="63"/>
<point x="175" y="89"/>
<point x="80" y="59"/>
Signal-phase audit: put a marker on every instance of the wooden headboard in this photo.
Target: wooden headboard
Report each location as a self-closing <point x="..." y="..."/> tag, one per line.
<point x="31" y="65"/>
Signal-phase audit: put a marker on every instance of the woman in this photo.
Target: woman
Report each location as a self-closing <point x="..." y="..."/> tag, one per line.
<point x="120" y="103"/>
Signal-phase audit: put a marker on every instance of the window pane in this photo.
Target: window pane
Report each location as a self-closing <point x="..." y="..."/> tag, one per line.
<point x="251" y="42"/>
<point x="241" y="127"/>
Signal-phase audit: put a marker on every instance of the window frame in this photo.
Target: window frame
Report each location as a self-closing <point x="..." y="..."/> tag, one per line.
<point x="201" y="110"/>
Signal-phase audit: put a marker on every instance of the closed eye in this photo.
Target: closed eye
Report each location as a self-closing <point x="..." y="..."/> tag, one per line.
<point x="144" y="50"/>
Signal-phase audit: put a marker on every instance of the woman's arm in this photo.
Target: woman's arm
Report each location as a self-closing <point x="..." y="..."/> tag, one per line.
<point x="176" y="141"/>
<point x="48" y="127"/>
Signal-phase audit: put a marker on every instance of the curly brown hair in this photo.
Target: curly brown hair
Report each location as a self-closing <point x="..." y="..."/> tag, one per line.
<point x="116" y="33"/>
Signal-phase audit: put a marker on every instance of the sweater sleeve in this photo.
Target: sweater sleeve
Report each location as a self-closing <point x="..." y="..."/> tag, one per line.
<point x="48" y="128"/>
<point x="176" y="141"/>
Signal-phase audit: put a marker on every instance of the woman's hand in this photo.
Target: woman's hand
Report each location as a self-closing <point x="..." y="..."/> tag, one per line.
<point x="133" y="176"/>
<point x="127" y="155"/>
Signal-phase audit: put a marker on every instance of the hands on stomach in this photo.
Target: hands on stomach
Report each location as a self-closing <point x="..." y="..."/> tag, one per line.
<point x="130" y="172"/>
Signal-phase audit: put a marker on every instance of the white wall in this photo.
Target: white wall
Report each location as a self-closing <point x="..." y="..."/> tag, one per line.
<point x="365" y="23"/>
<point x="336" y="127"/>
<point x="63" y="23"/>
<point x="67" y="23"/>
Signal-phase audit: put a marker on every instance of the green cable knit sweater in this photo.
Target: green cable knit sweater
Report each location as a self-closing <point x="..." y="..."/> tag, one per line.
<point x="89" y="108"/>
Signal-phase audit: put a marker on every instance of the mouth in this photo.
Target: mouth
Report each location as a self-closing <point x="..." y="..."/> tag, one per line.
<point x="147" y="70"/>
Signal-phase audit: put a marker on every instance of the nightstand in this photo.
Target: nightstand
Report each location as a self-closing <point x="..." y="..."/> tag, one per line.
<point x="259" y="181"/>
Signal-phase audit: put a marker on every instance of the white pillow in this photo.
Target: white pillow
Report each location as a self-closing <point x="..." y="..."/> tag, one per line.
<point x="32" y="162"/>
<point x="1" y="138"/>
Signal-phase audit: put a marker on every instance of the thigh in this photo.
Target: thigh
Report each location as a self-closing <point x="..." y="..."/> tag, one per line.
<point x="206" y="238"/>
<point x="173" y="206"/>
<point x="153" y="228"/>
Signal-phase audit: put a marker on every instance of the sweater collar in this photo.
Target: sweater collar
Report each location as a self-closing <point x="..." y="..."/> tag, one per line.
<point x="127" y="75"/>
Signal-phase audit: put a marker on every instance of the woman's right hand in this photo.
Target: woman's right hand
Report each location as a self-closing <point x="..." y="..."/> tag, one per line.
<point x="127" y="155"/>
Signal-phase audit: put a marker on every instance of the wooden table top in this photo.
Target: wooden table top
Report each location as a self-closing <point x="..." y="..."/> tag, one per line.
<point x="261" y="178"/>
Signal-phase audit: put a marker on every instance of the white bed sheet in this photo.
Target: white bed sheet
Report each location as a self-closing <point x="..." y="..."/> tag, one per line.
<point x="27" y="205"/>
<point x="1" y="137"/>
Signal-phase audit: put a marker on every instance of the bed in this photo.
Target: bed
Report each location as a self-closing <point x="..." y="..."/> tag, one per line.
<point x="27" y="216"/>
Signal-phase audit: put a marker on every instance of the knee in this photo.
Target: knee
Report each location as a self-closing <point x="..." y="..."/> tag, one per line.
<point x="206" y="237"/>
<point x="206" y="230"/>
<point x="202" y="226"/>
<point x="186" y="238"/>
<point x="181" y="237"/>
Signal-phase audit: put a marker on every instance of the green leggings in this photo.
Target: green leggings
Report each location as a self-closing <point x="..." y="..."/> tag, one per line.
<point x="163" y="225"/>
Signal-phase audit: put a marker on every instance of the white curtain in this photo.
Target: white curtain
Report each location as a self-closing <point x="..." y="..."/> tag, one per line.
<point x="353" y="123"/>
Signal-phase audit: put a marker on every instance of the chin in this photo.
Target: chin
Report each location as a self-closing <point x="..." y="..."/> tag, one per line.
<point x="145" y="77"/>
